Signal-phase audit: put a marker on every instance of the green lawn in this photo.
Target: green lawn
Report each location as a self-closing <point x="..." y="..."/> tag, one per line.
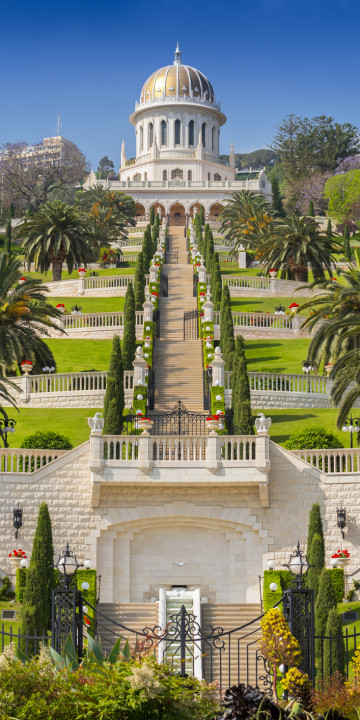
<point x="127" y="268"/>
<point x="72" y="355"/>
<point x="90" y="304"/>
<point x="71" y="422"/>
<point x="264" y="304"/>
<point x="287" y="422"/>
<point x="7" y="624"/>
<point x="276" y="355"/>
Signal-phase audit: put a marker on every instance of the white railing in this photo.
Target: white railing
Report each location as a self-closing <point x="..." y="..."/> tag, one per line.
<point x="76" y="382"/>
<point x="238" y="448"/>
<point x="246" y="282"/>
<point x="110" y="281"/>
<point x="86" y="321"/>
<point x="178" y="448"/>
<point x="285" y="382"/>
<point x="266" y="321"/>
<point x="122" y="448"/>
<point x="128" y="258"/>
<point x="26" y="461"/>
<point x="332" y="462"/>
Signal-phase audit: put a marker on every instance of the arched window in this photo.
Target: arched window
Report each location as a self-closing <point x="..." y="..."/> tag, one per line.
<point x="217" y="177"/>
<point x="213" y="139"/>
<point x="141" y="139"/>
<point x="164" y="174"/>
<point x="137" y="177"/>
<point x="189" y="175"/>
<point x="151" y="134"/>
<point x="177" y="132"/>
<point x="177" y="173"/>
<point x="203" y="134"/>
<point x="163" y="132"/>
<point x="191" y="132"/>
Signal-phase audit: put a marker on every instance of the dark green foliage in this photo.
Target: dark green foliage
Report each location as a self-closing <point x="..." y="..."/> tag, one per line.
<point x="201" y="216"/>
<point x="114" y="396"/>
<point x="47" y="440"/>
<point x="217" y="296"/>
<point x="312" y="438"/>
<point x="7" y="243"/>
<point x="152" y="215"/>
<point x="311" y="211"/>
<point x="346" y="241"/>
<point x="338" y="582"/>
<point x="325" y="602"/>
<point x="240" y="400"/>
<point x="228" y="339"/>
<point x="334" y="647"/>
<point x="139" y="283"/>
<point x="147" y="249"/>
<point x="316" y="557"/>
<point x="277" y="198"/>
<point x="329" y="230"/>
<point x="225" y="302"/>
<point x="12" y="210"/>
<point x="20" y="584"/>
<point x="315" y="527"/>
<point x="129" y="340"/>
<point x="283" y="579"/>
<point x="209" y="249"/>
<point x="36" y="610"/>
<point x="215" y="279"/>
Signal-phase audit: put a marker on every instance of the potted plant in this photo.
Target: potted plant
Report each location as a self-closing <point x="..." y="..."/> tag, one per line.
<point x="16" y="556"/>
<point x="212" y="424"/>
<point x="273" y="273"/>
<point x="61" y="307"/>
<point x="145" y="424"/>
<point x="26" y="367"/>
<point x="22" y="280"/>
<point x="342" y="557"/>
<point x="82" y="272"/>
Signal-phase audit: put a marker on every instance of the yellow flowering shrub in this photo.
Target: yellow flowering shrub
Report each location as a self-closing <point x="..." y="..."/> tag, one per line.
<point x="295" y="679"/>
<point x="277" y="644"/>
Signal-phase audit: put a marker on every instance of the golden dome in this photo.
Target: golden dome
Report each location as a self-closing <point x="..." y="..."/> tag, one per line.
<point x="177" y="80"/>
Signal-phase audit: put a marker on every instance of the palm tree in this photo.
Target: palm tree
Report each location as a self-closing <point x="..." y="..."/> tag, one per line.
<point x="24" y="314"/>
<point x="110" y="212"/>
<point x="294" y="245"/>
<point x="246" y="219"/>
<point x="54" y="234"/>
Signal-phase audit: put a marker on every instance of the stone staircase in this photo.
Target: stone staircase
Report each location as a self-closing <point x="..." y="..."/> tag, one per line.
<point x="236" y="663"/>
<point x="178" y="366"/>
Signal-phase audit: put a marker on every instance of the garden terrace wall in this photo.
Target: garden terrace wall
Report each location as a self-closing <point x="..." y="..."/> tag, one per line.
<point x="96" y="326"/>
<point x="101" y="286"/>
<point x="240" y="285"/>
<point x="263" y="325"/>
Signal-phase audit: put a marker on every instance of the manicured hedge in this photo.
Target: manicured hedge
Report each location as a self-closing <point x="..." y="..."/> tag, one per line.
<point x="140" y="404"/>
<point x="20" y="584"/>
<point x="283" y="580"/>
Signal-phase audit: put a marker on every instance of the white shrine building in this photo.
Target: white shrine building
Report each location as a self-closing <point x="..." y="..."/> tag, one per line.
<point x="177" y="165"/>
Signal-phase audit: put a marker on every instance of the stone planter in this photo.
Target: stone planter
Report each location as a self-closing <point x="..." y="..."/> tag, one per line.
<point x="273" y="273"/>
<point x="342" y="562"/>
<point x="26" y="369"/>
<point x="82" y="273"/>
<point x="212" y="425"/>
<point x="15" y="563"/>
<point x="145" y="425"/>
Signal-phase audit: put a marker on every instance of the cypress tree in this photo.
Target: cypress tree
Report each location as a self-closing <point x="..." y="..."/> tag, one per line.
<point x="217" y="296"/>
<point x="12" y="210"/>
<point x="129" y="340"/>
<point x="229" y="340"/>
<point x="225" y="301"/>
<point x="316" y="557"/>
<point x="147" y="249"/>
<point x="329" y="230"/>
<point x="139" y="283"/>
<point x="152" y="215"/>
<point x="240" y="397"/>
<point x="202" y="216"/>
<point x="346" y="243"/>
<point x="36" y="609"/>
<point x="325" y="602"/>
<point x="315" y="527"/>
<point x="114" y="396"/>
<point x="277" y="198"/>
<point x="334" y="647"/>
<point x="210" y="251"/>
<point x="311" y="211"/>
<point x="215" y="277"/>
<point x="7" y="243"/>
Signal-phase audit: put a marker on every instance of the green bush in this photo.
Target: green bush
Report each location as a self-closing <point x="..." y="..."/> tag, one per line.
<point x="140" y="404"/>
<point x="283" y="580"/>
<point x="313" y="438"/>
<point x="338" y="583"/>
<point x="20" y="584"/>
<point x="48" y="440"/>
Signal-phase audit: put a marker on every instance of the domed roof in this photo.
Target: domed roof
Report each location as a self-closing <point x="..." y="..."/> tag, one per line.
<point x="177" y="80"/>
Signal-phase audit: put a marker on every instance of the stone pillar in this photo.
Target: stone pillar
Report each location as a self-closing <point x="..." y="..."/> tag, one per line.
<point x="273" y="286"/>
<point x="213" y="462"/>
<point x="296" y="322"/>
<point x="139" y="367"/>
<point x="218" y="369"/>
<point x="148" y="311"/>
<point x="242" y="257"/>
<point x="202" y="273"/>
<point x="208" y="308"/>
<point x="153" y="273"/>
<point x="26" y="388"/>
<point x="81" y="287"/>
<point x="145" y="461"/>
<point x="96" y="450"/>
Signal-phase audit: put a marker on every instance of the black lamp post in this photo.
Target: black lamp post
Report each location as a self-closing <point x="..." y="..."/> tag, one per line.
<point x="298" y="565"/>
<point x="351" y="425"/>
<point x="67" y="565"/>
<point x="341" y="520"/>
<point x="17" y="519"/>
<point x="298" y="606"/>
<point x="7" y="425"/>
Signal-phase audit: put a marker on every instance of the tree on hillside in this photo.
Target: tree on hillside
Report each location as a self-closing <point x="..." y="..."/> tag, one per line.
<point x="311" y="211"/>
<point x="107" y="213"/>
<point x="346" y="241"/>
<point x="7" y="242"/>
<point x="225" y="302"/>
<point x="316" y="559"/>
<point x="55" y="234"/>
<point x="105" y="166"/>
<point x="343" y="192"/>
<point x="277" y="198"/>
<point x="315" y="526"/>
<point x="246" y="219"/>
<point x="129" y="340"/>
<point x="325" y="602"/>
<point x="30" y="185"/>
<point x="240" y="396"/>
<point x="228" y="338"/>
<point x="114" y="396"/>
<point x="139" y="283"/>
<point x="152" y="215"/>
<point x="334" y="646"/>
<point x="36" y="609"/>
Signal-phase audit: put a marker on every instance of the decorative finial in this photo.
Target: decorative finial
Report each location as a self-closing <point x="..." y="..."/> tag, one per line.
<point x="177" y="54"/>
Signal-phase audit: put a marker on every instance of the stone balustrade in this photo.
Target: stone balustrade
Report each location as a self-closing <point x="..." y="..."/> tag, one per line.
<point x="241" y="285"/>
<point x="100" y="286"/>
<point x="240" y="281"/>
<point x="97" y="325"/>
<point x="14" y="460"/>
<point x="261" y="325"/>
<point x="332" y="462"/>
<point x="285" y="382"/>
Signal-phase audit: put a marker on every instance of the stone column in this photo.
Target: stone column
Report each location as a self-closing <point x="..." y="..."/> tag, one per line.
<point x="242" y="257"/>
<point x="213" y="462"/>
<point x="26" y="382"/>
<point x="148" y="311"/>
<point x="202" y="273"/>
<point x="218" y="369"/>
<point x="296" y="322"/>
<point x="153" y="272"/>
<point x="96" y="450"/>
<point x="81" y="287"/>
<point x="273" y="286"/>
<point x="208" y="308"/>
<point x="145" y="461"/>
<point x="139" y="367"/>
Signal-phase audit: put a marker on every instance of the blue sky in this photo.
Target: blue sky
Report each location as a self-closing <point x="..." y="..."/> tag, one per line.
<point x="88" y="61"/>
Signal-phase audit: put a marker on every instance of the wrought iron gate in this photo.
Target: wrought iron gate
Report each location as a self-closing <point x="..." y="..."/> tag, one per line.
<point x="298" y="605"/>
<point x="67" y="619"/>
<point x="178" y="421"/>
<point x="191" y="325"/>
<point x="164" y="284"/>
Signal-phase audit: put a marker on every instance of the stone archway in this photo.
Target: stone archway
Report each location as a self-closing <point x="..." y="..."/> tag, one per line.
<point x="177" y="215"/>
<point x="158" y="206"/>
<point x="195" y="207"/>
<point x="215" y="210"/>
<point x="139" y="210"/>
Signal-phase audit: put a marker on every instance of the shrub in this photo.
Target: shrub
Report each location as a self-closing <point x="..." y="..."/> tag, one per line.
<point x="114" y="396"/>
<point x="47" y="440"/>
<point x="20" y="584"/>
<point x="313" y="438"/>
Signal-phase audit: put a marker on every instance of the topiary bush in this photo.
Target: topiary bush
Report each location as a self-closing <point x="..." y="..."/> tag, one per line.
<point x="313" y="438"/>
<point x="48" y="440"/>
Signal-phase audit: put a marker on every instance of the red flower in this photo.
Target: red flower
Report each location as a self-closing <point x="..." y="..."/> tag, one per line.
<point x="334" y="279"/>
<point x="23" y="279"/>
<point x="84" y="269"/>
<point x="293" y="305"/>
<point x="26" y="362"/>
<point x="86" y="620"/>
